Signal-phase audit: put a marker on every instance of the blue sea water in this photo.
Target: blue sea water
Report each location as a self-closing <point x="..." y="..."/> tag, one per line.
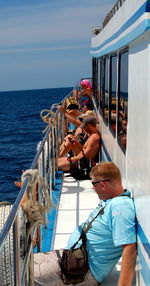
<point x="20" y="131"/>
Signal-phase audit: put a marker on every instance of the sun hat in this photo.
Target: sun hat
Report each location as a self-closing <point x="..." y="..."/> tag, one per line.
<point x="88" y="120"/>
<point x="88" y="113"/>
<point x="71" y="102"/>
<point x="86" y="83"/>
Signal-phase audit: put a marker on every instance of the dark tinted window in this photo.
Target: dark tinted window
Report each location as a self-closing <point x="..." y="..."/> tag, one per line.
<point x="98" y="83"/>
<point x="106" y="89"/>
<point x="113" y="95"/>
<point x="123" y="100"/>
<point x="102" y="69"/>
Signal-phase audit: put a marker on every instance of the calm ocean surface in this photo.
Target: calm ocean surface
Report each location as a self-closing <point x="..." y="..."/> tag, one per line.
<point x="20" y="131"/>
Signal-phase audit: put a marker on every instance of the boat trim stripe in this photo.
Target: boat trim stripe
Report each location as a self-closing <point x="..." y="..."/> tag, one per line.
<point x="145" y="8"/>
<point x="140" y="29"/>
<point x="143" y="267"/>
<point x="105" y="151"/>
<point x="143" y="239"/>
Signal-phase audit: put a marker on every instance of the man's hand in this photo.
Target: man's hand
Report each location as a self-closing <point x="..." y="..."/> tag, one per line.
<point x="60" y="108"/>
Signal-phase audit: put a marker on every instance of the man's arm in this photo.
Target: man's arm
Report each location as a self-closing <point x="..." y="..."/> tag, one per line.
<point x="70" y="118"/>
<point x="87" y="91"/>
<point x="88" y="149"/>
<point x="127" y="265"/>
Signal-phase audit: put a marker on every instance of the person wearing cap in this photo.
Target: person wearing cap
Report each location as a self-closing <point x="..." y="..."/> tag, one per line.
<point x="86" y="94"/>
<point x="77" y="117"/>
<point x="80" y="134"/>
<point x="86" y="114"/>
<point x="89" y="150"/>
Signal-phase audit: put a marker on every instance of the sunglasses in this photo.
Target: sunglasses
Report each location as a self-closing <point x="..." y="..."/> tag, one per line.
<point x="97" y="182"/>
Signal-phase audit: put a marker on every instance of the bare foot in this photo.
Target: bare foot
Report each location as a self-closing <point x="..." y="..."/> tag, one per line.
<point x="18" y="184"/>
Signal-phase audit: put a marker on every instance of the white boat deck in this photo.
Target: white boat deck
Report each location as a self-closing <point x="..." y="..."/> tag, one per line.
<point x="77" y="200"/>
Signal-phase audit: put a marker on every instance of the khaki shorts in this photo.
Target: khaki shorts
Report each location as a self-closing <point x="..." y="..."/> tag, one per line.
<point x="47" y="271"/>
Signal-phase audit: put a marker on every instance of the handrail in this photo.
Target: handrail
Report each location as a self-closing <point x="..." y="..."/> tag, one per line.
<point x="112" y="12"/>
<point x="12" y="215"/>
<point x="50" y="138"/>
<point x="13" y="212"/>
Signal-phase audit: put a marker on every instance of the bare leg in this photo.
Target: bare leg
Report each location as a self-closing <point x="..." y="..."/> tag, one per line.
<point x="70" y="143"/>
<point x="64" y="148"/>
<point x="63" y="164"/>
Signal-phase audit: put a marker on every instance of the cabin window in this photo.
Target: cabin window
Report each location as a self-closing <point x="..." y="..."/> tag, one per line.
<point x="95" y="80"/>
<point x="97" y="84"/>
<point x="113" y="95"/>
<point x="101" y="83"/>
<point x="123" y="100"/>
<point x="105" y="88"/>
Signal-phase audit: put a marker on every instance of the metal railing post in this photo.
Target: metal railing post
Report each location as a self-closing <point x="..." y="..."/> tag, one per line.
<point x="16" y="246"/>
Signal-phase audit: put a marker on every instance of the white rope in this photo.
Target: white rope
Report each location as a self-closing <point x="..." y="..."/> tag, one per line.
<point x="35" y="211"/>
<point x="32" y="175"/>
<point x="49" y="118"/>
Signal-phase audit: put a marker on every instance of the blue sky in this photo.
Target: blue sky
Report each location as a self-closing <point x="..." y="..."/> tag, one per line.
<point x="46" y="43"/>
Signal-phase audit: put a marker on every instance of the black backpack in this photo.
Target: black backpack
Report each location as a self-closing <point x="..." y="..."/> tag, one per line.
<point x="81" y="170"/>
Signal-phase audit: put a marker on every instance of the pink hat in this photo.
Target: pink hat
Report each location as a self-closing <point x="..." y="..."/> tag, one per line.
<point x="86" y="82"/>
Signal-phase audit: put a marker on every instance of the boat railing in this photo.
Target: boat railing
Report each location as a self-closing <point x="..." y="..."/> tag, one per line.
<point x="96" y="30"/>
<point x="115" y="8"/>
<point x="46" y="162"/>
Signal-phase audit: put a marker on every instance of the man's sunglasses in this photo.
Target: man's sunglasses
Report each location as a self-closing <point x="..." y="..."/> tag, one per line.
<point x="96" y="182"/>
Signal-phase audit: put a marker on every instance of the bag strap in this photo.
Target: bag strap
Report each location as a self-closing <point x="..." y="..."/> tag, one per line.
<point x="85" y="228"/>
<point x="101" y="212"/>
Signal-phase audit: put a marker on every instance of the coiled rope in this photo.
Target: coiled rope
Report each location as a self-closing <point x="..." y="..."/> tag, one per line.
<point x="49" y="118"/>
<point x="34" y="210"/>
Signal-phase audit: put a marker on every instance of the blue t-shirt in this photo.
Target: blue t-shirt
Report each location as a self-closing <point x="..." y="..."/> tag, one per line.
<point x="107" y="234"/>
<point x="71" y="126"/>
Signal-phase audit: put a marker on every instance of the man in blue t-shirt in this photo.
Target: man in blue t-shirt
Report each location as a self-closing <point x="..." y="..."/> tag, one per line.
<point x="112" y="234"/>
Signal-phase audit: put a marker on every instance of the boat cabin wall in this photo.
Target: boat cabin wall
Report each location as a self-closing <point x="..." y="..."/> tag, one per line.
<point x="138" y="151"/>
<point x="118" y="28"/>
<point x="121" y="53"/>
<point x="138" y="147"/>
<point x="135" y="161"/>
<point x="110" y="149"/>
